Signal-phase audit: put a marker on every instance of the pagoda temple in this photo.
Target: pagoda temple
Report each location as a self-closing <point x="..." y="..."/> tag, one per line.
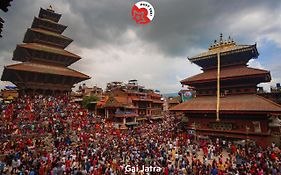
<point x="226" y="103"/>
<point x="44" y="62"/>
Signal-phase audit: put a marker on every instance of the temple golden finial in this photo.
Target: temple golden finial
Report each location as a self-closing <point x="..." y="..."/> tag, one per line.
<point x="50" y="8"/>
<point x="221" y="38"/>
<point x="221" y="43"/>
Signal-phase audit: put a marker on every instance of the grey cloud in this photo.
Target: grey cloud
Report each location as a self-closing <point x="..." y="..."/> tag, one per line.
<point x="178" y="24"/>
<point x="180" y="28"/>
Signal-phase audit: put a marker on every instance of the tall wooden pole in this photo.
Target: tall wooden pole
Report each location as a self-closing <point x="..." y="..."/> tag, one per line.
<point x="218" y="88"/>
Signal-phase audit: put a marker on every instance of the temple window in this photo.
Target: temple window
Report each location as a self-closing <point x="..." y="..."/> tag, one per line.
<point x="221" y="126"/>
<point x="257" y="126"/>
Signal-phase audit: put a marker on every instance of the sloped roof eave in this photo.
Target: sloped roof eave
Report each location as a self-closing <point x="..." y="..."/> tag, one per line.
<point x="230" y="103"/>
<point x="47" y="69"/>
<point x="226" y="73"/>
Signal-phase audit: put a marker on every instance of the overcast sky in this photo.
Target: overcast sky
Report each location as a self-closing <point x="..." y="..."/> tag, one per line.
<point x="114" y="48"/>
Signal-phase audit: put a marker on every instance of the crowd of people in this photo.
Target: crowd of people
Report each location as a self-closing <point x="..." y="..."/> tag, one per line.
<point x="42" y="135"/>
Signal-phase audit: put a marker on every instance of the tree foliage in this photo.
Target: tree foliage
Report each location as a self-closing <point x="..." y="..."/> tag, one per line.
<point x="88" y="99"/>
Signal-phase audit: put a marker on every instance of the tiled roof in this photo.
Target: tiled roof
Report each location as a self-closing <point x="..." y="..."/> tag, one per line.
<point x="103" y="101"/>
<point x="141" y="99"/>
<point x="47" y="20"/>
<point x="224" y="51"/>
<point x="46" y="32"/>
<point x="56" y="27"/>
<point x="175" y="100"/>
<point x="245" y="102"/>
<point x="154" y="95"/>
<point x="49" y="14"/>
<point x="45" y="48"/>
<point x="47" y="69"/>
<point x="228" y="72"/>
<point x="157" y="101"/>
<point x="119" y="101"/>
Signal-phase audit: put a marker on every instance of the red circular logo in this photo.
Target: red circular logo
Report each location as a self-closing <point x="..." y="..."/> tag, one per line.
<point x="143" y="12"/>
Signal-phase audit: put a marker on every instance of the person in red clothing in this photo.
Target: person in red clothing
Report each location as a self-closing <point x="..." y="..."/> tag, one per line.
<point x="166" y="170"/>
<point x="205" y="150"/>
<point x="233" y="149"/>
<point x="151" y="144"/>
<point x="68" y="165"/>
<point x="273" y="156"/>
<point x="42" y="170"/>
<point x="29" y="142"/>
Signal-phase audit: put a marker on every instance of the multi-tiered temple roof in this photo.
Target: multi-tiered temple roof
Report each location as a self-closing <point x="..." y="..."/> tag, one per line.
<point x="235" y="75"/>
<point x="45" y="63"/>
<point x="230" y="52"/>
<point x="238" y="82"/>
<point x="226" y="102"/>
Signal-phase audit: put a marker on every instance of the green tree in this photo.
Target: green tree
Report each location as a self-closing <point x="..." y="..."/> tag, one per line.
<point x="88" y="99"/>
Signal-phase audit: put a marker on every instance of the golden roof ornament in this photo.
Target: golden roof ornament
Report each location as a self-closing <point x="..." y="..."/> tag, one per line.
<point x="221" y="43"/>
<point x="221" y="38"/>
<point x="50" y="8"/>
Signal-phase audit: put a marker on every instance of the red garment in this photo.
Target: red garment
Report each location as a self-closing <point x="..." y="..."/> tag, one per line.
<point x="67" y="164"/>
<point x="21" y="145"/>
<point x="97" y="126"/>
<point x="205" y="150"/>
<point x="273" y="156"/>
<point x="166" y="171"/>
<point x="42" y="170"/>
<point x="29" y="142"/>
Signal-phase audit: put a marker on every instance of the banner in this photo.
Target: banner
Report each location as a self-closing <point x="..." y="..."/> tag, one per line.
<point x="186" y="95"/>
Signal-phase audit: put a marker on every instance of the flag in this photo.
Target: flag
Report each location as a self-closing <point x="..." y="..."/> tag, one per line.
<point x="186" y="95"/>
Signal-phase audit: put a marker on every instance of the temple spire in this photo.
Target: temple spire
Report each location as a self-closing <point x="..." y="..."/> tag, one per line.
<point x="220" y="43"/>
<point x="50" y="8"/>
<point x="221" y="38"/>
